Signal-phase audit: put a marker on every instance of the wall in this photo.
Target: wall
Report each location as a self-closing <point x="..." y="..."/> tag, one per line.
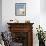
<point x="33" y="13"/>
<point x="0" y="15"/>
<point x="43" y="6"/>
<point x="43" y="14"/>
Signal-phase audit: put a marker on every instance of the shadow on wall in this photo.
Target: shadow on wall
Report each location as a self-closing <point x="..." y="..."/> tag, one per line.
<point x="43" y="6"/>
<point x="0" y="15"/>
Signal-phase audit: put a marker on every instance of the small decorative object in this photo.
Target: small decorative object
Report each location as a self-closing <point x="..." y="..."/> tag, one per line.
<point x="20" y="9"/>
<point x="16" y="21"/>
<point x="13" y="21"/>
<point x="41" y="36"/>
<point x="27" y="21"/>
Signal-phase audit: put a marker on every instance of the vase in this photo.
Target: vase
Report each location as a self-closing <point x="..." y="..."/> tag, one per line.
<point x="41" y="43"/>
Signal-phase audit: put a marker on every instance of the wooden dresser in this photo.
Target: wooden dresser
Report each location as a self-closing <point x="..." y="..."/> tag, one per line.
<point x="22" y="33"/>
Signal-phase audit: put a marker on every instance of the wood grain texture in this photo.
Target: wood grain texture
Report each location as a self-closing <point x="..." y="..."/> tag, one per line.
<point x="23" y="27"/>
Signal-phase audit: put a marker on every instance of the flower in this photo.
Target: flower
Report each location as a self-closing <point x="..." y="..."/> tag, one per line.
<point x="40" y="33"/>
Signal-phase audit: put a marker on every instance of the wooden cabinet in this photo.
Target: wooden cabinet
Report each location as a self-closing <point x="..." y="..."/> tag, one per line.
<point x="22" y="33"/>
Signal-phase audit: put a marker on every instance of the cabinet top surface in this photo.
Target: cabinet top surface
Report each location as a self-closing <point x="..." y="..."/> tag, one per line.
<point x="19" y="23"/>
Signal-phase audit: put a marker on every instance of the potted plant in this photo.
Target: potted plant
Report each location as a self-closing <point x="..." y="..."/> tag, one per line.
<point x="41" y="36"/>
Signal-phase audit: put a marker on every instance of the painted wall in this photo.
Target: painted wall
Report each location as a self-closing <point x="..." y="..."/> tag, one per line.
<point x="0" y="15"/>
<point x="43" y="14"/>
<point x="33" y="13"/>
<point x="43" y="6"/>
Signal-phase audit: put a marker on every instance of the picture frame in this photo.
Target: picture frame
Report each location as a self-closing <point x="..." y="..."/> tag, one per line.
<point x="20" y="9"/>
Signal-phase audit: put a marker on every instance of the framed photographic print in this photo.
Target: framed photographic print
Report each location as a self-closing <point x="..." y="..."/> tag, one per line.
<point x="20" y="9"/>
